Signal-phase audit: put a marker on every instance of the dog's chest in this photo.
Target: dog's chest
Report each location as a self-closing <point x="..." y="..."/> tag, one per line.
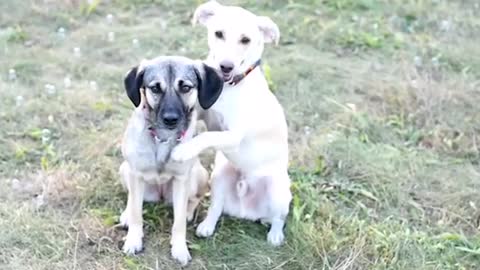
<point x="227" y="108"/>
<point x="144" y="154"/>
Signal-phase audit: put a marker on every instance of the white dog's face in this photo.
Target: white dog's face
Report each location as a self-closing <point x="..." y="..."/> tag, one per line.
<point x="236" y="36"/>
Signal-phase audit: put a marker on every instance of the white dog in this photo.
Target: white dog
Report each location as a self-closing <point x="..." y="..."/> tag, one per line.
<point x="247" y="124"/>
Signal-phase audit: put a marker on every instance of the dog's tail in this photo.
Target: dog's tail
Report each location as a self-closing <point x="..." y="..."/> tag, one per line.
<point x="242" y="188"/>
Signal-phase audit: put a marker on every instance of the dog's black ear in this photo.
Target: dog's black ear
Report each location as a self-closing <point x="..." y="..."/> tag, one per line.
<point x="210" y="85"/>
<point x="133" y="82"/>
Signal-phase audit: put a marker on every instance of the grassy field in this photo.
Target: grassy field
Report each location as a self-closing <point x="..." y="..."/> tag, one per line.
<point x="381" y="98"/>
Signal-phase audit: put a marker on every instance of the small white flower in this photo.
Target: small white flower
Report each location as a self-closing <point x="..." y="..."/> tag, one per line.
<point x="307" y="130"/>
<point x="61" y="32"/>
<point x="111" y="36"/>
<point x="163" y="24"/>
<point x="50" y="89"/>
<point x="16" y="184"/>
<point x="414" y="84"/>
<point x="67" y="82"/>
<point x="76" y="52"/>
<point x="12" y="74"/>
<point x="109" y="18"/>
<point x="445" y="25"/>
<point x="19" y="101"/>
<point x="93" y="85"/>
<point x="135" y="43"/>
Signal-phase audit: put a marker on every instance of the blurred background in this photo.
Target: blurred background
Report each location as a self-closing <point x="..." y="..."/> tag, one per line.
<point x="381" y="98"/>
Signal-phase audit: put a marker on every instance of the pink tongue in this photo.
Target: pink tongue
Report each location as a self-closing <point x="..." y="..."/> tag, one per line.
<point x="182" y="134"/>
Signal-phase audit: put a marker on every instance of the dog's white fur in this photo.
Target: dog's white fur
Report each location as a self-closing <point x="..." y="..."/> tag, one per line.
<point x="250" y="178"/>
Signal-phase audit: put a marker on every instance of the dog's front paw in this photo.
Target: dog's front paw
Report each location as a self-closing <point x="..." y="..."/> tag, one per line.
<point x="133" y="241"/>
<point x="181" y="254"/>
<point x="275" y="237"/>
<point x="182" y="153"/>
<point x="205" y="229"/>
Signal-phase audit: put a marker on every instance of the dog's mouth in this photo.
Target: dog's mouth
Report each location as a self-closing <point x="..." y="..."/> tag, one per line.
<point x="227" y="76"/>
<point x="165" y="136"/>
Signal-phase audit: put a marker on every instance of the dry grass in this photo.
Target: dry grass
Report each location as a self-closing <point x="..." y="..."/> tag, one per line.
<point x="381" y="99"/>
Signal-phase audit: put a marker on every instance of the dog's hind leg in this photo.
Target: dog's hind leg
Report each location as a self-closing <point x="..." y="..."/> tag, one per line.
<point x="222" y="174"/>
<point x="198" y="188"/>
<point x="280" y="197"/>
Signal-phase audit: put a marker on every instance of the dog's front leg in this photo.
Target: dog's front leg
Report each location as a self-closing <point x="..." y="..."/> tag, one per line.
<point x="179" y="229"/>
<point x="220" y="140"/>
<point x="133" y="215"/>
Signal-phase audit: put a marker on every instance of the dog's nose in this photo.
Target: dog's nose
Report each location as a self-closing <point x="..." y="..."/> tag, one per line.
<point x="226" y="66"/>
<point x="170" y="119"/>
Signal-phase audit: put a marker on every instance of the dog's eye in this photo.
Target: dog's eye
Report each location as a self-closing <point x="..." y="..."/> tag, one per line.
<point x="185" y="88"/>
<point x="219" y="34"/>
<point x="244" y="40"/>
<point x="156" y="89"/>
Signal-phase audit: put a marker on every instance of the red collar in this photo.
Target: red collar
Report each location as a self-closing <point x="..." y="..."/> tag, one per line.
<point x="237" y="78"/>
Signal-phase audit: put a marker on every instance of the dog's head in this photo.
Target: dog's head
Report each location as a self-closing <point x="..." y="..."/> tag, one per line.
<point x="173" y="85"/>
<point x="236" y="36"/>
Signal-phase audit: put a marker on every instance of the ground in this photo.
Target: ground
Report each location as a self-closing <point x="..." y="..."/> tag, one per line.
<point x="381" y="98"/>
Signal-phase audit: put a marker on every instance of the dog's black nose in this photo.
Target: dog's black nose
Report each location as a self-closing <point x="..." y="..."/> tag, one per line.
<point x="170" y="119"/>
<point x="226" y="66"/>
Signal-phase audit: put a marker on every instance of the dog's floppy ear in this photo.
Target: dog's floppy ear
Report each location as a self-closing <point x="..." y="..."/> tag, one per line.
<point x="204" y="12"/>
<point x="269" y="29"/>
<point x="133" y="82"/>
<point x="210" y="85"/>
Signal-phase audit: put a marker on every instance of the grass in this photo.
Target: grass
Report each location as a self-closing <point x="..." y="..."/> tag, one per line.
<point x="382" y="105"/>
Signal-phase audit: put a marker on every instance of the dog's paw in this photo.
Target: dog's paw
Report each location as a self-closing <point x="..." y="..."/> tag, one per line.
<point x="275" y="237"/>
<point x="181" y="254"/>
<point x="133" y="241"/>
<point x="182" y="152"/>
<point x="205" y="229"/>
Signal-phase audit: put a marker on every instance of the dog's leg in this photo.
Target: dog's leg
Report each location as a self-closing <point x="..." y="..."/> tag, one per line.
<point x="280" y="197"/>
<point x="180" y="198"/>
<point x="132" y="216"/>
<point x="220" y="140"/>
<point x="222" y="173"/>
<point x="200" y="182"/>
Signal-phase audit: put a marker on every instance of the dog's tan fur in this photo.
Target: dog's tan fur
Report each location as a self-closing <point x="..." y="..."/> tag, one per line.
<point x="147" y="172"/>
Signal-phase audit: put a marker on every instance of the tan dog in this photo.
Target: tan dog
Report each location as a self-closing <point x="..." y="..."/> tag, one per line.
<point x="165" y="91"/>
<point x="246" y="124"/>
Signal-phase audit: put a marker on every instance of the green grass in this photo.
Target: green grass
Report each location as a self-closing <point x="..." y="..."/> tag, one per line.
<point x="381" y="99"/>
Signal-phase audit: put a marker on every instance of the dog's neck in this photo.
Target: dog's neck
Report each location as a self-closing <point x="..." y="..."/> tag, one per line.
<point x="239" y="77"/>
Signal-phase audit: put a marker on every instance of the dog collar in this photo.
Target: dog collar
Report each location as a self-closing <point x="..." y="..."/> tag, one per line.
<point x="237" y="78"/>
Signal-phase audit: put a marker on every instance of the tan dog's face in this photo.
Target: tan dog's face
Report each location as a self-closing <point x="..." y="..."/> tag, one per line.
<point x="172" y="87"/>
<point x="236" y="36"/>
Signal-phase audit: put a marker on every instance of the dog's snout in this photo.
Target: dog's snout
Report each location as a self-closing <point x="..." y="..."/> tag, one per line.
<point x="226" y="66"/>
<point x="170" y="118"/>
